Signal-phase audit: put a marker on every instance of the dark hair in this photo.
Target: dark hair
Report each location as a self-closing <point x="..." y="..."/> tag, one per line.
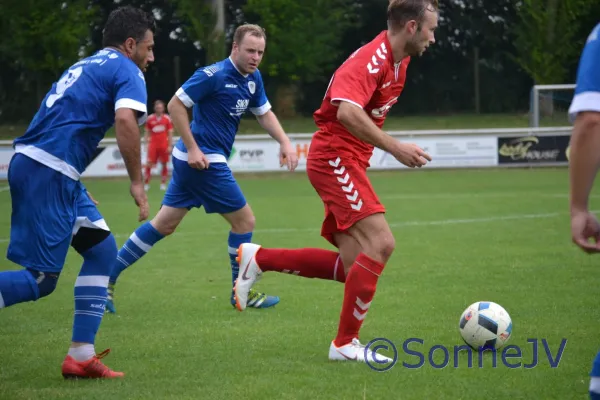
<point x="126" y="22"/>
<point x="399" y="12"/>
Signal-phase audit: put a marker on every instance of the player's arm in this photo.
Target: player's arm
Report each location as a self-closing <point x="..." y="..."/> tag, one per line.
<point x="351" y="90"/>
<point x="181" y="122"/>
<point x="131" y="112"/>
<point x="128" y="140"/>
<point x="271" y="124"/>
<point x="584" y="158"/>
<point x="358" y="123"/>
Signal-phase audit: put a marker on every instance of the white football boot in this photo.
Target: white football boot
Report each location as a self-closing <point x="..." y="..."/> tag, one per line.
<point x="355" y="351"/>
<point x="249" y="273"/>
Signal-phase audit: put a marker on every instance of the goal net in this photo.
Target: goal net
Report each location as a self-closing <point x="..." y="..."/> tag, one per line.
<point x="550" y="105"/>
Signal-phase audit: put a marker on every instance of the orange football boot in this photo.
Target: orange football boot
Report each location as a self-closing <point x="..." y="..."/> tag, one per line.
<point x="90" y="369"/>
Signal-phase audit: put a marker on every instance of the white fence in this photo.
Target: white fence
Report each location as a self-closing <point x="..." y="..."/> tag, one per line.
<point x="462" y="148"/>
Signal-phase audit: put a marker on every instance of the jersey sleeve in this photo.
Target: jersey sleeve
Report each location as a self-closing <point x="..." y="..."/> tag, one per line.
<point x="200" y="85"/>
<point x="259" y="104"/>
<point x="587" y="89"/>
<point x="355" y="82"/>
<point x="130" y="91"/>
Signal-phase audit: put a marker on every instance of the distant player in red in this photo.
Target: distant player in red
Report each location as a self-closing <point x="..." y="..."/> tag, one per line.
<point x="358" y="98"/>
<point x="159" y="136"/>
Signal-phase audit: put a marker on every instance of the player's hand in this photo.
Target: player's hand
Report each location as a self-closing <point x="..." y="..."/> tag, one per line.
<point x="197" y="159"/>
<point x="96" y="202"/>
<point x="411" y="155"/>
<point x="139" y="196"/>
<point x="585" y="226"/>
<point x="288" y="156"/>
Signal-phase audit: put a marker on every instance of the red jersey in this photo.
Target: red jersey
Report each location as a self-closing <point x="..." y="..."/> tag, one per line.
<point x="159" y="128"/>
<point x="369" y="79"/>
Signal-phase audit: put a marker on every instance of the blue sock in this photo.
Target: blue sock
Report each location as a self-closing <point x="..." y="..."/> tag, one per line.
<point x="17" y="287"/>
<point x="91" y="289"/>
<point x="139" y="243"/>
<point x="595" y="379"/>
<point x="234" y="241"/>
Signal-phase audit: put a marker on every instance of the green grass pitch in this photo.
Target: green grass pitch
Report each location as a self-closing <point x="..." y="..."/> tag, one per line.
<point x="462" y="236"/>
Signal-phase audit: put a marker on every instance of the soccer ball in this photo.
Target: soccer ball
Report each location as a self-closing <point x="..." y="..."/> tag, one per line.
<point x="485" y="325"/>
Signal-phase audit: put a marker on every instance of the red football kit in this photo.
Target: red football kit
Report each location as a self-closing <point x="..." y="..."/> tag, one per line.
<point x="337" y="168"/>
<point x="337" y="160"/>
<point x="158" y="147"/>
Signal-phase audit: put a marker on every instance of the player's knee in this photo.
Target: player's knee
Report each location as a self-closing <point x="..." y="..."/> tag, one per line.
<point x="45" y="281"/>
<point x="246" y="224"/>
<point x="381" y="246"/>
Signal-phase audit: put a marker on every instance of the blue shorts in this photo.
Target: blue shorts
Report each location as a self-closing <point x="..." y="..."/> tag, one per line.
<point x="48" y="208"/>
<point x="214" y="188"/>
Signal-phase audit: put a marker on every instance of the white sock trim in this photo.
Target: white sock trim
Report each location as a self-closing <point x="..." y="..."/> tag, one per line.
<point x="1" y="301"/>
<point x="82" y="353"/>
<point x="595" y="384"/>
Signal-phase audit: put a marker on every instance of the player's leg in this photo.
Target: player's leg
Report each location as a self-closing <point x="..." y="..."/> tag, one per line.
<point x="164" y="159"/>
<point x="151" y="160"/>
<point x="41" y="225"/>
<point x="377" y="244"/>
<point x="595" y="379"/>
<point x="93" y="240"/>
<point x="220" y="193"/>
<point x="176" y="203"/>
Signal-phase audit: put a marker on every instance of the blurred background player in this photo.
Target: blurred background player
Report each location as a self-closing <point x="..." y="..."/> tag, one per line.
<point x="51" y="209"/>
<point x="584" y="161"/>
<point x="159" y="136"/>
<point x="359" y="96"/>
<point x="219" y="94"/>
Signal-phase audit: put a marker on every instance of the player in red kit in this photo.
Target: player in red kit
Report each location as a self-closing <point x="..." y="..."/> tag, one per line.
<point x="159" y="136"/>
<point x="358" y="98"/>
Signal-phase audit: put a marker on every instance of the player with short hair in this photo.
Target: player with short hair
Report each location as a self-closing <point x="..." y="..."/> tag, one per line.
<point x="584" y="161"/>
<point x="359" y="96"/>
<point x="50" y="206"/>
<point x="219" y="94"/>
<point x="158" y="133"/>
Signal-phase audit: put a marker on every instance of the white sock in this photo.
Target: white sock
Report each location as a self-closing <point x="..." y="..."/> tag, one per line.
<point x="82" y="353"/>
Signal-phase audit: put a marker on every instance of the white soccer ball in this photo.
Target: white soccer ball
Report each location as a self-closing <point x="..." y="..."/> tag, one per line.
<point x="485" y="325"/>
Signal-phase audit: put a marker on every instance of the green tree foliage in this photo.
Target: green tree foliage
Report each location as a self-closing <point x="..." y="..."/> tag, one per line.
<point x="547" y="37"/>
<point x="303" y="42"/>
<point x="303" y="37"/>
<point x="200" y="21"/>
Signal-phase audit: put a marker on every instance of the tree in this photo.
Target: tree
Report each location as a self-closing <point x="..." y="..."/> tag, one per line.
<point x="303" y="42"/>
<point x="46" y="37"/>
<point x="546" y="37"/>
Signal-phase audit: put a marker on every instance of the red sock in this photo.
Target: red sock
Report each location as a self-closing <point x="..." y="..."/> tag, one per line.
<point x="308" y="262"/>
<point x="164" y="173"/>
<point x="148" y="174"/>
<point x="359" y="290"/>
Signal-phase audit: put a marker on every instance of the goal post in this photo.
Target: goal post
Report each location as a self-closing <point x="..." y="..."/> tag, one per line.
<point x="551" y="102"/>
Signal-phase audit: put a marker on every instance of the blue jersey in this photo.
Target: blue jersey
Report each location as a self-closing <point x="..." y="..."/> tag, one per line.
<point x="79" y="109"/>
<point x="220" y="95"/>
<point x="587" y="91"/>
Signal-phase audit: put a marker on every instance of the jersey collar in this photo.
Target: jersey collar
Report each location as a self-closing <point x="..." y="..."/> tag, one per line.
<point x="236" y="68"/>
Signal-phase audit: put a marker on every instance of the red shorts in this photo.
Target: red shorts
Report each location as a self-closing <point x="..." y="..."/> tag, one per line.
<point x="346" y="192"/>
<point x="158" y="154"/>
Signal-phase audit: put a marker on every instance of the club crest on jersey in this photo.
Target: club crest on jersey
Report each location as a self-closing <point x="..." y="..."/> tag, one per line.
<point x="252" y="86"/>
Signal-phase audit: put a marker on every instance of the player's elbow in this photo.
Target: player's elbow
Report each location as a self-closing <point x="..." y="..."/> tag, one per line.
<point x="175" y="105"/>
<point x="125" y="116"/>
<point x="346" y="113"/>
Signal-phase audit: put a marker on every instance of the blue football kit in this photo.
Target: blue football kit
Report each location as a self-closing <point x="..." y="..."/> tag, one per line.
<point x="219" y="94"/>
<point x="49" y="201"/>
<point x="51" y="210"/>
<point x="587" y="89"/>
<point x="587" y="98"/>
